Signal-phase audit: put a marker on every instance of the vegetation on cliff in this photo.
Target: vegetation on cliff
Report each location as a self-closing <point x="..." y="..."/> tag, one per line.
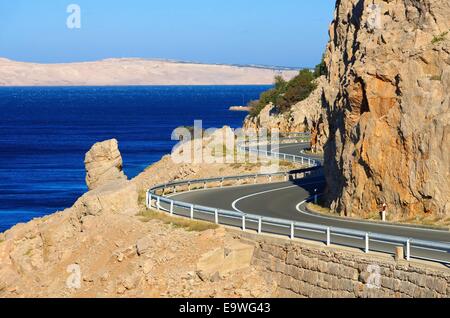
<point x="284" y="94"/>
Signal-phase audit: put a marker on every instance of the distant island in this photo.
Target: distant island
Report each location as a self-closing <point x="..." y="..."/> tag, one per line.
<point x="134" y="71"/>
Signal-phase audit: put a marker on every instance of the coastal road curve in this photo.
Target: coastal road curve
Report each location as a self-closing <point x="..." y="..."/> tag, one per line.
<point x="286" y="200"/>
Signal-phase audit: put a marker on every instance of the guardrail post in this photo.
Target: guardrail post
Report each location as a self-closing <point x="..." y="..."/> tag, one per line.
<point x="366" y="249"/>
<point x="270" y="178"/>
<point x="174" y="189"/>
<point x="216" y="216"/>
<point x="192" y="211"/>
<point x="303" y="161"/>
<point x="256" y="179"/>
<point x="157" y="203"/>
<point x="243" y="222"/>
<point x="171" y="207"/>
<point x="221" y="183"/>
<point x="408" y="249"/>
<point x="259" y="225"/>
<point x="189" y="186"/>
<point x="286" y="176"/>
<point x="328" y="236"/>
<point x="292" y="230"/>
<point x="163" y="191"/>
<point x="146" y="199"/>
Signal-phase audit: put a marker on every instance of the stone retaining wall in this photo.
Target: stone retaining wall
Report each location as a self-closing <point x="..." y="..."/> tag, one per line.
<point x="308" y="270"/>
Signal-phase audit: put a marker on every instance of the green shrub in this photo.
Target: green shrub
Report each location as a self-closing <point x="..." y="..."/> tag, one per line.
<point x="321" y="69"/>
<point x="298" y="89"/>
<point x="439" y="38"/>
<point x="284" y="94"/>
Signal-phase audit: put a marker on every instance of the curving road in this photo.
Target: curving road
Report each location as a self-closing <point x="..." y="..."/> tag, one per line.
<point x="286" y="200"/>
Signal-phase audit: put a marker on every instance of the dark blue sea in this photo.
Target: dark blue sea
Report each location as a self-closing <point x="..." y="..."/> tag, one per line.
<point x="45" y="132"/>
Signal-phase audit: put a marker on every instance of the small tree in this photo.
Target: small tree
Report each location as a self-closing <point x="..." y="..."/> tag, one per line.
<point x="297" y="89"/>
<point x="285" y="94"/>
<point x="280" y="83"/>
<point x="255" y="107"/>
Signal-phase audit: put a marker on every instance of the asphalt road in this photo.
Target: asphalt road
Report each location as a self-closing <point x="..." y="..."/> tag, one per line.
<point x="284" y="200"/>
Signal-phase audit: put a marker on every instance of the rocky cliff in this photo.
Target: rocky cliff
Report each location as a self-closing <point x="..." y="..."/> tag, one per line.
<point x="387" y="98"/>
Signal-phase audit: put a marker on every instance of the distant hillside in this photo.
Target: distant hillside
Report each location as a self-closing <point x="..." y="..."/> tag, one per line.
<point x="134" y="72"/>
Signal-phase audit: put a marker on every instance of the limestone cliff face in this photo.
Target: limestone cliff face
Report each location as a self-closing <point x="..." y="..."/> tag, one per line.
<point x="387" y="96"/>
<point x="307" y="115"/>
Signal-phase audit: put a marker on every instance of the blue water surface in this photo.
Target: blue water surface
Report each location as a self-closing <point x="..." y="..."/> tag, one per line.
<point x="45" y="132"/>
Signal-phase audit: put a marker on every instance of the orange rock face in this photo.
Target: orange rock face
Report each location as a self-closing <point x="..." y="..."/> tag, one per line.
<point x="388" y="108"/>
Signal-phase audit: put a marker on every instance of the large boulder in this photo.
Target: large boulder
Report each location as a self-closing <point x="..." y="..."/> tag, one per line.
<point x="103" y="164"/>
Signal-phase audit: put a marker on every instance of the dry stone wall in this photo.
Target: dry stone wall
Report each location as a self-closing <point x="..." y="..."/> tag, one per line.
<point x="306" y="270"/>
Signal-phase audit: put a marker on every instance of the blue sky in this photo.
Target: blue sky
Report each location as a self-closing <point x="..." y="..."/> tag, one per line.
<point x="283" y="32"/>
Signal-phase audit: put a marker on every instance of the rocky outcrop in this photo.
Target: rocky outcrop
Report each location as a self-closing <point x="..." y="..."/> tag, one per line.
<point x="308" y="115"/>
<point x="103" y="164"/>
<point x="103" y="246"/>
<point x="387" y="96"/>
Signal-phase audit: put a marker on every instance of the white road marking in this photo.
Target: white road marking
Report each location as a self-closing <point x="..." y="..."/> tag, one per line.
<point x="282" y="147"/>
<point x="233" y="205"/>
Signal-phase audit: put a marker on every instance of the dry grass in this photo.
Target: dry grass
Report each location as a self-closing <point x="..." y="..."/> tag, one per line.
<point x="176" y="222"/>
<point x="141" y="197"/>
<point x="436" y="78"/>
<point x="310" y="152"/>
<point x="423" y="220"/>
<point x="318" y="208"/>
<point x="428" y="220"/>
<point x="286" y="164"/>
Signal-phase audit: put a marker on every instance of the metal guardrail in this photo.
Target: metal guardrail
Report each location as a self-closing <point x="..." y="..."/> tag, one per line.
<point x="281" y="156"/>
<point x="245" y="147"/>
<point x="292" y="229"/>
